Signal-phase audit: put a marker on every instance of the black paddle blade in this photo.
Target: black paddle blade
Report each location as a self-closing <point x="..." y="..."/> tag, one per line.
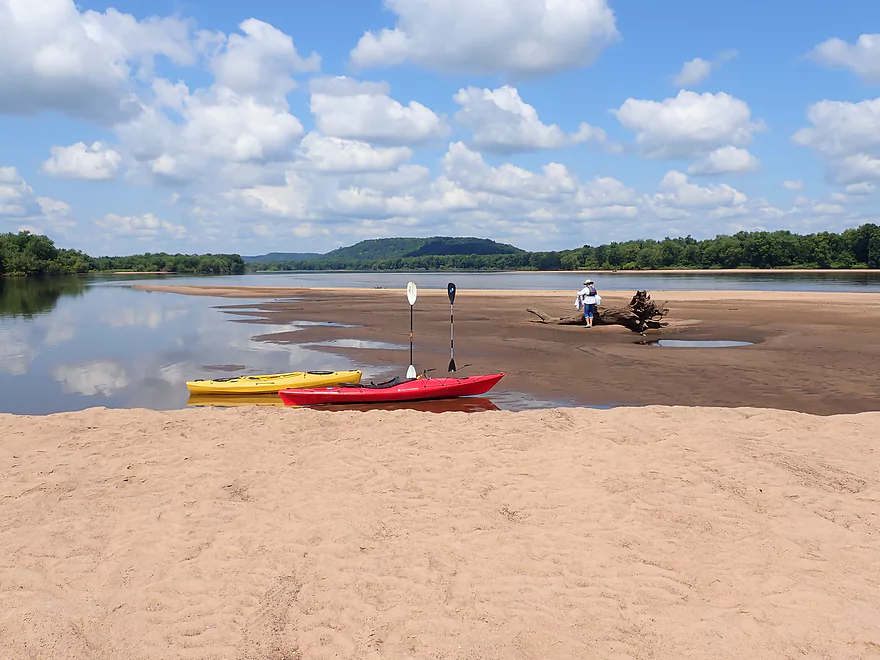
<point x="450" y="289"/>
<point x="452" y="366"/>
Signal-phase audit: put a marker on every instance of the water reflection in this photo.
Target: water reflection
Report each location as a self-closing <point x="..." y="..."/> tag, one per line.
<point x="233" y="400"/>
<point x="466" y="404"/>
<point x="103" y="377"/>
<point x="357" y="343"/>
<point x="31" y="296"/>
<point x="149" y="317"/>
<point x="16" y="350"/>
<point x="120" y="348"/>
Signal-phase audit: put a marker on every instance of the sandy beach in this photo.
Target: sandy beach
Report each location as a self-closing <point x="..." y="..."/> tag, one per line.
<point x="277" y="533"/>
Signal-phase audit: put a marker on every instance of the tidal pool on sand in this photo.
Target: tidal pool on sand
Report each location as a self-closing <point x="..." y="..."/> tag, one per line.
<point x="709" y="343"/>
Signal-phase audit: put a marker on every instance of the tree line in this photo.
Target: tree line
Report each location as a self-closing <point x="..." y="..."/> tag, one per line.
<point x="852" y="248"/>
<point x="27" y="254"/>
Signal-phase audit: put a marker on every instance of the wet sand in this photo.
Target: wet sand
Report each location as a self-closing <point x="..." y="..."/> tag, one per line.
<point x="269" y="534"/>
<point x="815" y="353"/>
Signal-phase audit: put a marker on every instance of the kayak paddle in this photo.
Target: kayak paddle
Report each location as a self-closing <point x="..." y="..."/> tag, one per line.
<point x="450" y="289"/>
<point x="411" y="294"/>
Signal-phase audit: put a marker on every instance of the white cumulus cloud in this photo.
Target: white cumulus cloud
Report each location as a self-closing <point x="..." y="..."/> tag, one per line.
<point x="688" y="124"/>
<point x="503" y="123"/>
<point x="793" y="185"/>
<point x="234" y="129"/>
<point x="335" y="155"/>
<point x="678" y="192"/>
<point x="726" y="160"/>
<point x="725" y="208"/>
<point x="142" y="226"/>
<point x="698" y="70"/>
<point x="468" y="195"/>
<point x="21" y="208"/>
<point x="862" y="57"/>
<point x="863" y="188"/>
<point x="55" y="57"/>
<point x="261" y="61"/>
<point x="78" y="161"/>
<point x="519" y="37"/>
<point x="347" y="109"/>
<point x="468" y="168"/>
<point x="220" y="133"/>
<point x="847" y="136"/>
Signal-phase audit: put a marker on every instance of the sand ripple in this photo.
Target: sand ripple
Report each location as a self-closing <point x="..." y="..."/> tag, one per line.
<point x="273" y="533"/>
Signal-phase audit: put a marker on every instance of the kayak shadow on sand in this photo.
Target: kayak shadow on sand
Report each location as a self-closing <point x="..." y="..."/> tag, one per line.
<point x="463" y="404"/>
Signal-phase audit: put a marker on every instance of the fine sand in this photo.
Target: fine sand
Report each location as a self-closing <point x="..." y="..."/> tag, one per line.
<point x="278" y="533"/>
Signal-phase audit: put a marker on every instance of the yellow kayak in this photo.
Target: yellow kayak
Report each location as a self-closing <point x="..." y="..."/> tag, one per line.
<point x="271" y="383"/>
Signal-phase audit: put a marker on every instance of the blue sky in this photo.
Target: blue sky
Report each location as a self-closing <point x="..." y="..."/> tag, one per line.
<point x="262" y="126"/>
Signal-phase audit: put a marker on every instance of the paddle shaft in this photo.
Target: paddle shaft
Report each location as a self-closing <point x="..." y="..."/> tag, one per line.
<point x="451" y="339"/>
<point x="450" y="289"/>
<point x="412" y="293"/>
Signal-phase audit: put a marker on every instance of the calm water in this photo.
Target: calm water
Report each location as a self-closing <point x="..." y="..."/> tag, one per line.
<point x="78" y="347"/>
<point x="710" y="343"/>
<point x="73" y="343"/>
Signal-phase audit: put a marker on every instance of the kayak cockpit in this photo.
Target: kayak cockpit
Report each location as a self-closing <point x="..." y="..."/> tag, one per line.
<point x="394" y="382"/>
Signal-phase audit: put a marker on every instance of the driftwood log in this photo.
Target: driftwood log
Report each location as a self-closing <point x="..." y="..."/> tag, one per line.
<point x="641" y="314"/>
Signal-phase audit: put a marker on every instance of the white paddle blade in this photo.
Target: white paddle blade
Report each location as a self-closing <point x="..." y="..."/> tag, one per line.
<point x="411" y="293"/>
<point x="411" y="372"/>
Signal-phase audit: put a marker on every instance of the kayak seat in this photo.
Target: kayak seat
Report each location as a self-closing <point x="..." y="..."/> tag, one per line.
<point x="397" y="380"/>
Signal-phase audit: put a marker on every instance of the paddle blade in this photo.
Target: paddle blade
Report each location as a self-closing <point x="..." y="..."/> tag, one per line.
<point x="411" y="293"/>
<point x="452" y="366"/>
<point x="411" y="372"/>
<point x="450" y="289"/>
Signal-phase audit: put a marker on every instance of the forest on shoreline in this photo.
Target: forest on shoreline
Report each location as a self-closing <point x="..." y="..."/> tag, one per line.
<point x="27" y="254"/>
<point x="853" y="248"/>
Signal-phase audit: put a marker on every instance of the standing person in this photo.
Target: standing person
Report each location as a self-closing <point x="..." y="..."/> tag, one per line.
<point x="588" y="299"/>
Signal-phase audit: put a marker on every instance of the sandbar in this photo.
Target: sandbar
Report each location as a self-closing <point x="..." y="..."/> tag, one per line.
<point x="807" y="352"/>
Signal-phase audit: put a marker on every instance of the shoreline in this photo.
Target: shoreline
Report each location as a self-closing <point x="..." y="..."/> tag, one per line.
<point x="729" y="271"/>
<point x="673" y="271"/>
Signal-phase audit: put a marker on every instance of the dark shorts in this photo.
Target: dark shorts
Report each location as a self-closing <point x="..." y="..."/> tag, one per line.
<point x="589" y="311"/>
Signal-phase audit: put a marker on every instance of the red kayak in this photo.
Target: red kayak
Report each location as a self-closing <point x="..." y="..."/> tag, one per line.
<point x="396" y="389"/>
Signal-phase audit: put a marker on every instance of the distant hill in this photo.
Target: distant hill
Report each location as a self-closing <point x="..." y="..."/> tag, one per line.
<point x="395" y="248"/>
<point x="275" y="257"/>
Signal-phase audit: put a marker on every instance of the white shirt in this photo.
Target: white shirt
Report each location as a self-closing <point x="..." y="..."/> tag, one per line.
<point x="584" y="297"/>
